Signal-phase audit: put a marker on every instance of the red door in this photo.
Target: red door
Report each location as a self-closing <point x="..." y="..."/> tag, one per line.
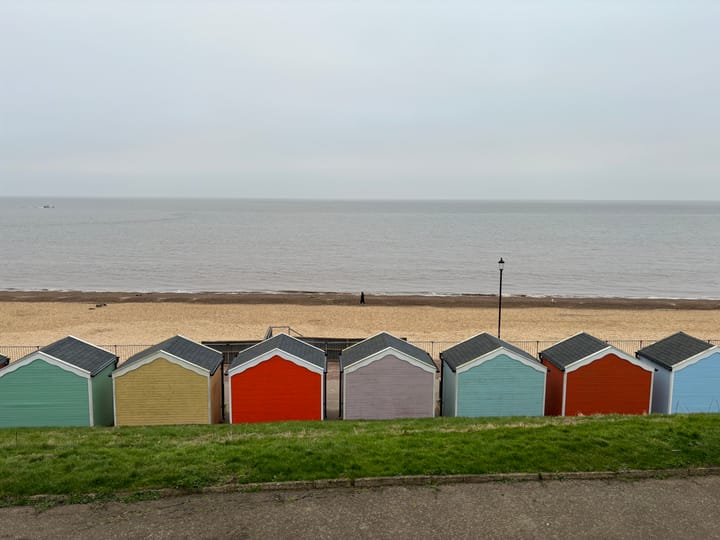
<point x="275" y="390"/>
<point x="608" y="385"/>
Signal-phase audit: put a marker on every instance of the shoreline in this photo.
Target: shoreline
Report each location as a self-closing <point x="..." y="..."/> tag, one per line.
<point x="307" y="298"/>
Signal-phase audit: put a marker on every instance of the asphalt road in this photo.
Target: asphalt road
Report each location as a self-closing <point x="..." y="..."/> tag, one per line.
<point x="671" y="508"/>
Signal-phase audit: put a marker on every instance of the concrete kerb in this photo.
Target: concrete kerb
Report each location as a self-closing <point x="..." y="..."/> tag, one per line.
<point x="392" y="481"/>
<point x="421" y="480"/>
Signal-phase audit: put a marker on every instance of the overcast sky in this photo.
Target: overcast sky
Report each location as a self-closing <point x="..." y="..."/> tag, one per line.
<point x="336" y="99"/>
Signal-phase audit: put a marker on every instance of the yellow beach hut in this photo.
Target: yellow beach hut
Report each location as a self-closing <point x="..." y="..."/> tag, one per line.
<point x="177" y="381"/>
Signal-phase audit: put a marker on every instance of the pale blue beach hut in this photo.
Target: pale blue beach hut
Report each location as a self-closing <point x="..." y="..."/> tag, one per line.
<point x="486" y="376"/>
<point x="687" y="379"/>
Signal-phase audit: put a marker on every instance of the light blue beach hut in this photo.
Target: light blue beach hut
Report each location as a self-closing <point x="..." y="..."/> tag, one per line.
<point x="687" y="379"/>
<point x="486" y="376"/>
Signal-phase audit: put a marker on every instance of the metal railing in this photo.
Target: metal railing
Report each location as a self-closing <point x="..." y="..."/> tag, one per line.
<point x="274" y="330"/>
<point x="15" y="352"/>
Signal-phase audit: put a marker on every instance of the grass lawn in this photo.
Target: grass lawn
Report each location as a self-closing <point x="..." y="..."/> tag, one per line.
<point x="104" y="461"/>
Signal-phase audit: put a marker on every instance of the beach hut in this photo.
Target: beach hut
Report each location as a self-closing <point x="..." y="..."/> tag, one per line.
<point x="687" y="379"/>
<point x="485" y="376"/>
<point x="66" y="383"/>
<point x="281" y="378"/>
<point x="177" y="381"/>
<point x="386" y="377"/>
<point x="4" y="361"/>
<point x="588" y="376"/>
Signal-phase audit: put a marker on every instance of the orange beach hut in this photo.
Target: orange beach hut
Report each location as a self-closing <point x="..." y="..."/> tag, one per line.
<point x="588" y="376"/>
<point x="281" y="378"/>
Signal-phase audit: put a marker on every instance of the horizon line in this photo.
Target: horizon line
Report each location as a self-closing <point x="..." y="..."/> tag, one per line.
<point x="358" y="199"/>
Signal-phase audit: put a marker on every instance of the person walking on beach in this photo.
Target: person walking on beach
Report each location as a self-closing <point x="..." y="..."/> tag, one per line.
<point x="362" y="297"/>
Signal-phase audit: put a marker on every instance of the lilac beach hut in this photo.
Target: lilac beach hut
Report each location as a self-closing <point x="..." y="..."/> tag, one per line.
<point x="385" y="377"/>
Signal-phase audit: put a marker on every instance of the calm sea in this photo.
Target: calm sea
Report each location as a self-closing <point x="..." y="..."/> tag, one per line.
<point x="634" y="249"/>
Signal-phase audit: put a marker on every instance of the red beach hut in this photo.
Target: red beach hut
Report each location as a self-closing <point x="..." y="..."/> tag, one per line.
<point x="281" y="378"/>
<point x="588" y="376"/>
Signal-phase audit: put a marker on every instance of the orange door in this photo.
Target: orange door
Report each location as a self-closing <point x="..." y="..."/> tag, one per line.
<point x="274" y="390"/>
<point x="608" y="385"/>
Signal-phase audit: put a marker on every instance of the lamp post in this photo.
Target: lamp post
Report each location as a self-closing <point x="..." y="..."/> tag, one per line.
<point x="501" y="265"/>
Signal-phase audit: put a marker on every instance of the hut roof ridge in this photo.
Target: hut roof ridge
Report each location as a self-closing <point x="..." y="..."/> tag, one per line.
<point x="674" y="349"/>
<point x="80" y="353"/>
<point x="283" y="342"/>
<point x="572" y="349"/>
<point x="380" y="342"/>
<point x="477" y="346"/>
<point x="186" y="349"/>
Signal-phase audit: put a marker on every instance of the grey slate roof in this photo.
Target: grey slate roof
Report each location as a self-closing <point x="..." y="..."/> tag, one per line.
<point x="674" y="349"/>
<point x="378" y="343"/>
<point x="80" y="354"/>
<point x="573" y="349"/>
<point x="184" y="348"/>
<point x="478" y="346"/>
<point x="285" y="343"/>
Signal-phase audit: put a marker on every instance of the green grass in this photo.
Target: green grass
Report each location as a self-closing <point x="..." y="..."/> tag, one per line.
<point x="75" y="462"/>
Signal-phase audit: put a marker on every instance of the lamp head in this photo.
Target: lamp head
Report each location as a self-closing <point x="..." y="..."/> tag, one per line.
<point x="501" y="264"/>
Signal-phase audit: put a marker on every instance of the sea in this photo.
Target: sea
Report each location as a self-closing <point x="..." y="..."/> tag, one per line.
<point x="550" y="248"/>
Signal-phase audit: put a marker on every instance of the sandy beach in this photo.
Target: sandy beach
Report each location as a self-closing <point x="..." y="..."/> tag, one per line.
<point x="38" y="318"/>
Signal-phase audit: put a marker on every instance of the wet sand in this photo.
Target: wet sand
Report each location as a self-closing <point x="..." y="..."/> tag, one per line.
<point x="345" y="299"/>
<point x="38" y="318"/>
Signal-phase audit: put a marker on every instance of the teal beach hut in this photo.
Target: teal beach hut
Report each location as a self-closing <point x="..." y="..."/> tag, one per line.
<point x="485" y="376"/>
<point x="67" y="383"/>
<point x="687" y="376"/>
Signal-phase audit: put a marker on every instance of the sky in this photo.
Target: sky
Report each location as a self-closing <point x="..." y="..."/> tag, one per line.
<point x="536" y="99"/>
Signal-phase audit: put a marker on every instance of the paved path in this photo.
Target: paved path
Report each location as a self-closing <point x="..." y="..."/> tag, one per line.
<point x="672" y="508"/>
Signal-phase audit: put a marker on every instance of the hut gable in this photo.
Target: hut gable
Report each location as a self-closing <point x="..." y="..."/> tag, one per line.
<point x="281" y="378"/>
<point x="588" y="376"/>
<point x="573" y="350"/>
<point x="482" y="346"/>
<point x="485" y="376"/>
<point x="385" y="377"/>
<point x="674" y="350"/>
<point x="169" y="383"/>
<point x="688" y="376"/>
<point x="378" y="346"/>
<point x="62" y="384"/>
<point x="288" y="347"/>
<point x="181" y="348"/>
